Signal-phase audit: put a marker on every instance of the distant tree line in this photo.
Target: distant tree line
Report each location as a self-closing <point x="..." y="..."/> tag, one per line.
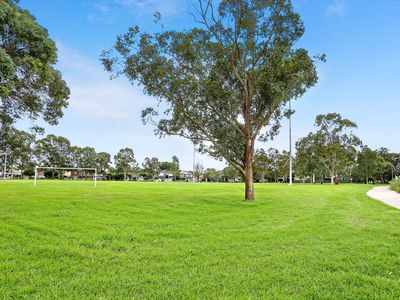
<point x="24" y="151"/>
<point x="331" y="150"/>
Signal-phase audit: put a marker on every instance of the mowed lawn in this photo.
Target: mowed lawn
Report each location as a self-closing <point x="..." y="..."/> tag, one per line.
<point x="182" y="240"/>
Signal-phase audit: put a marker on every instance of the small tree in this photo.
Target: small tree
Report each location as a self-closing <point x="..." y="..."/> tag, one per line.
<point x="53" y="151"/>
<point x="333" y="144"/>
<point x="223" y="82"/>
<point x="273" y="156"/>
<point x="371" y="164"/>
<point x="229" y="172"/>
<point x="18" y="146"/>
<point x="125" y="161"/>
<point x="211" y="174"/>
<point x="175" y="167"/>
<point x="307" y="163"/>
<point x="103" y="161"/>
<point x="261" y="163"/>
<point x="198" y="171"/>
<point x="151" y="166"/>
<point x="283" y="165"/>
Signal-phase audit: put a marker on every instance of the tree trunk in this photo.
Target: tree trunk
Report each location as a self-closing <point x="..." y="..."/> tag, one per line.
<point x="248" y="169"/>
<point x="313" y="178"/>
<point x="332" y="179"/>
<point x="249" y="185"/>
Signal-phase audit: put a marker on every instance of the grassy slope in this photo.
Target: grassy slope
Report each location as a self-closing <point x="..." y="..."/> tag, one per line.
<point x="170" y="240"/>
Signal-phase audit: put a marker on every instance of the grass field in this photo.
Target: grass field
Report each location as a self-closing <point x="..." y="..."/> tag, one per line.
<point x="181" y="241"/>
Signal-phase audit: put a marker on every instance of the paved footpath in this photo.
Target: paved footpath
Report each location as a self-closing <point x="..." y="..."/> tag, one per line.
<point x="385" y="195"/>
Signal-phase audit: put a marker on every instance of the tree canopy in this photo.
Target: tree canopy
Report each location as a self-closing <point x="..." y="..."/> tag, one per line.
<point x="125" y="160"/>
<point x="29" y="85"/>
<point x="331" y="146"/>
<point x="226" y="81"/>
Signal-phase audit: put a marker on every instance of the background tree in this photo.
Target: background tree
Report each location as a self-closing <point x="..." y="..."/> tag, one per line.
<point x="103" y="161"/>
<point x="229" y="172"/>
<point x="29" y="85"/>
<point x="175" y="170"/>
<point x="273" y="156"/>
<point x="88" y="157"/>
<point x="371" y="165"/>
<point x="261" y="164"/>
<point x="198" y="171"/>
<point x="211" y="174"/>
<point x="75" y="156"/>
<point x="283" y="165"/>
<point x="151" y="166"/>
<point x="125" y="160"/>
<point x="223" y="82"/>
<point x="53" y="151"/>
<point x="393" y="159"/>
<point x="307" y="163"/>
<point x="18" y="145"/>
<point x="333" y="144"/>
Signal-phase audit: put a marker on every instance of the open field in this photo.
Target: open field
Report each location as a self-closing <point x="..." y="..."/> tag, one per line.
<point x="183" y="240"/>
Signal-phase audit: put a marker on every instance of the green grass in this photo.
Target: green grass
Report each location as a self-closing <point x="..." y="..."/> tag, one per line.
<point x="182" y="241"/>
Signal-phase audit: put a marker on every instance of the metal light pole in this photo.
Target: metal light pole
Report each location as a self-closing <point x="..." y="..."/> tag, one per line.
<point x="194" y="161"/>
<point x="290" y="144"/>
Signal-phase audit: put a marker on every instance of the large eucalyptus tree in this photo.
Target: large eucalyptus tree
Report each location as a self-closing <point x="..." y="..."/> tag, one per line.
<point x="225" y="82"/>
<point x="30" y="86"/>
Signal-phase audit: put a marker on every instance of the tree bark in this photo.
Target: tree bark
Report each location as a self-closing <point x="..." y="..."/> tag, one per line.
<point x="332" y="179"/>
<point x="248" y="169"/>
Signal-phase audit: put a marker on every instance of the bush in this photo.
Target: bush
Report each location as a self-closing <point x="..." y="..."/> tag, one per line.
<point x="395" y="185"/>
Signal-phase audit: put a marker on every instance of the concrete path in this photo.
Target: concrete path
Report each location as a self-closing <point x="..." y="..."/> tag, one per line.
<point x="385" y="195"/>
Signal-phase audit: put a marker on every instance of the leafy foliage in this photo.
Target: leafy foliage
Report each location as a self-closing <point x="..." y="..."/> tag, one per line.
<point x="395" y="185"/>
<point x="151" y="166"/>
<point x="125" y="161"/>
<point x="223" y="82"/>
<point x="331" y="146"/>
<point x="29" y="85"/>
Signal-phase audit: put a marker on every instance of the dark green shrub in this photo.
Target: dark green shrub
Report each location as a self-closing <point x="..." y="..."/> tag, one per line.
<point x="395" y="185"/>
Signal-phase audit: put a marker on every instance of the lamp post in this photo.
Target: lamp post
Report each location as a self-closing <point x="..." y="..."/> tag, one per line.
<point x="194" y="161"/>
<point x="290" y="144"/>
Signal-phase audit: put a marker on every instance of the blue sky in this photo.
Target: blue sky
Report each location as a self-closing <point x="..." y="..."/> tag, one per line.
<point x="360" y="80"/>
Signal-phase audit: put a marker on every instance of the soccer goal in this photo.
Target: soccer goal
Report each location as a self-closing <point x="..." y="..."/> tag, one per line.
<point x="67" y="173"/>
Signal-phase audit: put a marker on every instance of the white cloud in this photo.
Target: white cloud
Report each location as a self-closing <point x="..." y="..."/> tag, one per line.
<point x="338" y="8"/>
<point x="93" y="94"/>
<point x="141" y="7"/>
<point x="111" y="10"/>
<point x="102" y="7"/>
<point x="105" y="114"/>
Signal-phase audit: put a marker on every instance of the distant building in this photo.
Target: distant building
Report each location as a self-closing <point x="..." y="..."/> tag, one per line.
<point x="166" y="176"/>
<point x="186" y="175"/>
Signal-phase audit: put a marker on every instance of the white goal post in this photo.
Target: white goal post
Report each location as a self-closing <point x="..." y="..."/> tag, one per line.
<point x="63" y="168"/>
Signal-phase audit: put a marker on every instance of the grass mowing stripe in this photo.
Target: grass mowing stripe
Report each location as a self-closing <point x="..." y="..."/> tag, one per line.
<point x="184" y="240"/>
